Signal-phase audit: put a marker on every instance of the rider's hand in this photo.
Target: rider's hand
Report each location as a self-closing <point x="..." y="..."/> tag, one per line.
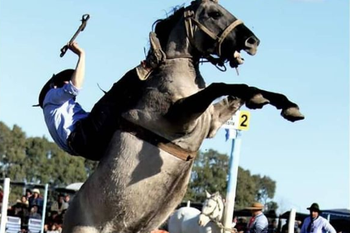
<point x="74" y="47"/>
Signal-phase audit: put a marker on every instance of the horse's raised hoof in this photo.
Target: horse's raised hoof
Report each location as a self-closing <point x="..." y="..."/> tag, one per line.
<point x="257" y="102"/>
<point x="292" y="114"/>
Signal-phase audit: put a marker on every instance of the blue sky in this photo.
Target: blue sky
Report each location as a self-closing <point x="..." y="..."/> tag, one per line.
<point x="304" y="54"/>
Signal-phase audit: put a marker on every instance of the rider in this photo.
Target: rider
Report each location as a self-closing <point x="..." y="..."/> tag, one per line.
<point x="75" y="130"/>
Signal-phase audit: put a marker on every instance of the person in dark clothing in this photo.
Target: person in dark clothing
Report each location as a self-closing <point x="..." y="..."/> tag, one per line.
<point x="36" y="200"/>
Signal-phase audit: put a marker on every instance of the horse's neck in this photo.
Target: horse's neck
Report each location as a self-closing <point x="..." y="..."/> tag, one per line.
<point x="179" y="47"/>
<point x="184" y="69"/>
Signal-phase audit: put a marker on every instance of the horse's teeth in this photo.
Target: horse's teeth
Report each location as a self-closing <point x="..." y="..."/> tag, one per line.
<point x="236" y="54"/>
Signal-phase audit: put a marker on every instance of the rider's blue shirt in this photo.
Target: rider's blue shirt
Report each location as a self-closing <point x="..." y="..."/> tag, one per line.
<point x="61" y="112"/>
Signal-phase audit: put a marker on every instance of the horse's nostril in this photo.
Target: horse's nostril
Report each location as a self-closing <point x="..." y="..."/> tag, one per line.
<point x="251" y="45"/>
<point x="252" y="41"/>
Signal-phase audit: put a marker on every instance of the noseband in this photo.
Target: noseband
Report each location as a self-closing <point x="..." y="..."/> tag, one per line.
<point x="190" y="20"/>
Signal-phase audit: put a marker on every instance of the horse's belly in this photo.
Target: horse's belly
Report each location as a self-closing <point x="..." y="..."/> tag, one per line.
<point x="135" y="187"/>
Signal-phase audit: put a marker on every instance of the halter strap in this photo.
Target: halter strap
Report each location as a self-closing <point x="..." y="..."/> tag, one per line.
<point x="226" y="32"/>
<point x="189" y="18"/>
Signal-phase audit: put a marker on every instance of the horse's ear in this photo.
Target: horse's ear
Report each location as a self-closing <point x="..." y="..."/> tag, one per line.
<point x="207" y="194"/>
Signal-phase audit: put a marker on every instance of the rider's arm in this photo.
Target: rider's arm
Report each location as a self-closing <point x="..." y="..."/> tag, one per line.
<point x="79" y="73"/>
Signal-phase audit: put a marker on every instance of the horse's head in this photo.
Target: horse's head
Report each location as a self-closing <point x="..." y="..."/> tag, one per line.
<point x="212" y="30"/>
<point x="212" y="210"/>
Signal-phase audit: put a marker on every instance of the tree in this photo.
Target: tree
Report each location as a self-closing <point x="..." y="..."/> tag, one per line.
<point x="266" y="191"/>
<point x="47" y="163"/>
<point x="12" y="152"/>
<point x="209" y="173"/>
<point x="246" y="189"/>
<point x="36" y="160"/>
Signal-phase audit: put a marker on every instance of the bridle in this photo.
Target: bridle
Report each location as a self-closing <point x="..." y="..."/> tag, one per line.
<point x="217" y="219"/>
<point x="218" y="206"/>
<point x="219" y="38"/>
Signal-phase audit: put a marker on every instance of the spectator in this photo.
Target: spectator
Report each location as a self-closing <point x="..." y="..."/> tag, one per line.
<point x="285" y="227"/>
<point x="35" y="199"/>
<point x="241" y="225"/>
<point x="53" y="217"/>
<point x="54" y="228"/>
<point x="272" y="228"/>
<point x="316" y="223"/>
<point x="34" y="212"/>
<point x="59" y="205"/>
<point x="28" y="193"/>
<point x="23" y="201"/>
<point x="298" y="224"/>
<point x="258" y="222"/>
<point x="67" y="199"/>
<point x="234" y="222"/>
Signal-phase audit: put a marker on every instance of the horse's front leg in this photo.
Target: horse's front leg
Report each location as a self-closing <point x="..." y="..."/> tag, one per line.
<point x="222" y="112"/>
<point x="290" y="110"/>
<point x="190" y="108"/>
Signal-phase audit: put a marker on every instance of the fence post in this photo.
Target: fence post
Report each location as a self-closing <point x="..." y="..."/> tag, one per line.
<point x="5" y="202"/>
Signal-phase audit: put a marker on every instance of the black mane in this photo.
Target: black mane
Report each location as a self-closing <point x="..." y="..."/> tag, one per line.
<point x="163" y="27"/>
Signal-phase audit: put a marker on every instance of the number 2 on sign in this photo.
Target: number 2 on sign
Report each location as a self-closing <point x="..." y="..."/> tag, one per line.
<point x="244" y="118"/>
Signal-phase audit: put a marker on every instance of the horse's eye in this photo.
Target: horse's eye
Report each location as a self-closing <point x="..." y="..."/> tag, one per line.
<point x="214" y="14"/>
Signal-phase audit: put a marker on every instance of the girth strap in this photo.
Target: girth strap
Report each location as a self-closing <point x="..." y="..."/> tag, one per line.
<point x="156" y="140"/>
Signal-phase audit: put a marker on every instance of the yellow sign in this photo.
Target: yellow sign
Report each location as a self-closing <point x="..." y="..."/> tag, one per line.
<point x="240" y="120"/>
<point x="244" y="118"/>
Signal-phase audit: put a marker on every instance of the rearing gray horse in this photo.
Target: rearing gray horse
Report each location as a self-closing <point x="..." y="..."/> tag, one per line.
<point x="164" y="119"/>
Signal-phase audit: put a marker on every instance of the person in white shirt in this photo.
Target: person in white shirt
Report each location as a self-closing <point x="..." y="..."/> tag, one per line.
<point x="316" y="223"/>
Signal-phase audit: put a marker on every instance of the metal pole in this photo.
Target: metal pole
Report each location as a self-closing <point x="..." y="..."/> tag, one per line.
<point x="232" y="180"/>
<point x="291" y="221"/>
<point x="44" y="208"/>
<point x="5" y="201"/>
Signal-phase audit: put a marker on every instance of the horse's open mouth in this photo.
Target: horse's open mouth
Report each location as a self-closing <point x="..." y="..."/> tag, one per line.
<point x="250" y="46"/>
<point x="236" y="60"/>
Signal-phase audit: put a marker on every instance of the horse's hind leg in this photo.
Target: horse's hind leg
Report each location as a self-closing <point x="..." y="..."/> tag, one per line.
<point x="290" y="110"/>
